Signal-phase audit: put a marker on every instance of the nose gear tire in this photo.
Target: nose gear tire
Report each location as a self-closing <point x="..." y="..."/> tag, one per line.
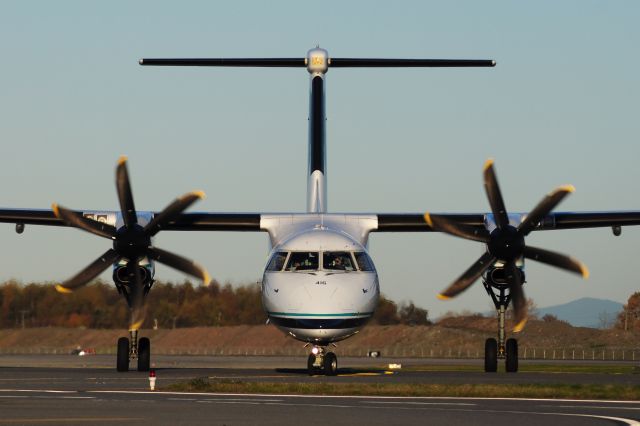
<point x="330" y="364"/>
<point x="311" y="369"/>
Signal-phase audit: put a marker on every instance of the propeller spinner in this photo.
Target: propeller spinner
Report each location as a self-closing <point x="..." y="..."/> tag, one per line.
<point x="131" y="243"/>
<point x="506" y="243"/>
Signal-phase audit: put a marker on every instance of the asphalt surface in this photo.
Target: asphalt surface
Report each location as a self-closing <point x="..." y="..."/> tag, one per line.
<point x="64" y="390"/>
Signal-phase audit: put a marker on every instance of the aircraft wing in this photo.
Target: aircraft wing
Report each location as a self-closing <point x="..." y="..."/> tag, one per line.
<point x="387" y="222"/>
<point x="185" y="222"/>
<point x="31" y="217"/>
<point x="216" y="222"/>
<point x="415" y="222"/>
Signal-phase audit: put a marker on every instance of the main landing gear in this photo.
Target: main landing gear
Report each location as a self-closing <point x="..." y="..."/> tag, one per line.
<point x="500" y="349"/>
<point x="130" y="349"/>
<point x="321" y="362"/>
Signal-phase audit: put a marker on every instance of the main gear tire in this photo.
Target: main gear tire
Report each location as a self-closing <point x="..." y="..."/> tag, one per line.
<point x="144" y="354"/>
<point x="122" y="361"/>
<point x="490" y="356"/>
<point x="511" y="364"/>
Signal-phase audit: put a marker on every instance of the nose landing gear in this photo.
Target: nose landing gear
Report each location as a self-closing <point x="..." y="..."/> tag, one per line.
<point x="320" y="362"/>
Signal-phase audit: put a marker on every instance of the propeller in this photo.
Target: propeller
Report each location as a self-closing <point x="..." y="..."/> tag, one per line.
<point x="131" y="243"/>
<point x="506" y="243"/>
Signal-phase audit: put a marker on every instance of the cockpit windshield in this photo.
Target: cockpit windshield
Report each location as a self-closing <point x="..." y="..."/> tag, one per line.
<point x="277" y="261"/>
<point x="364" y="261"/>
<point x="337" y="261"/>
<point x="303" y="261"/>
<point x="310" y="261"/>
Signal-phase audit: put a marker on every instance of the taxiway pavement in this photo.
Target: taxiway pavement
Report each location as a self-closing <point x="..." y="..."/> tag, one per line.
<point x="65" y="389"/>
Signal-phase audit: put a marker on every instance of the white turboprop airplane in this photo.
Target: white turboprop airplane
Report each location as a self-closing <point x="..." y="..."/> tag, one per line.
<point x="320" y="285"/>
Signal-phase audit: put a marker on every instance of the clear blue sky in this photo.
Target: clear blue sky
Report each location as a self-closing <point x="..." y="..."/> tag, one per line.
<point x="560" y="107"/>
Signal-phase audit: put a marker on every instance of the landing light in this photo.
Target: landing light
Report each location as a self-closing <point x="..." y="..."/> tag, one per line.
<point x="315" y="350"/>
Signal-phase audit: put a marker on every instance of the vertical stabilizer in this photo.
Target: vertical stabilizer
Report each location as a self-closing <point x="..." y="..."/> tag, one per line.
<point x="317" y="61"/>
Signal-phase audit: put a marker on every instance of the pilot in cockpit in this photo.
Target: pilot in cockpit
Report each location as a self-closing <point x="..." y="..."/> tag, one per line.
<point x="337" y="264"/>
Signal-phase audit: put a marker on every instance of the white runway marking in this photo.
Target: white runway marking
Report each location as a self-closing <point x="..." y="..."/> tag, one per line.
<point x="420" y="403"/>
<point x="372" y="397"/>
<point x="291" y="404"/>
<point x="77" y="397"/>
<point x="629" y="422"/>
<point x="601" y="407"/>
<point x="222" y="401"/>
<point x="37" y="391"/>
<point x="366" y="402"/>
<point x="241" y="400"/>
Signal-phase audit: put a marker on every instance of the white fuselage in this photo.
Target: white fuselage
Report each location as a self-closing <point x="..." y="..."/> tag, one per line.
<point x="319" y="285"/>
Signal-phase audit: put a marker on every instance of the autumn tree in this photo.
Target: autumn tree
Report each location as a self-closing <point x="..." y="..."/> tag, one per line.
<point x="410" y="314"/>
<point x="387" y="312"/>
<point x="629" y="318"/>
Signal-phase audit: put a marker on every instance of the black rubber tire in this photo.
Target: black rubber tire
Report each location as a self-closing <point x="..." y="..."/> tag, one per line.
<point x="511" y="364"/>
<point x="144" y="354"/>
<point x="330" y="364"/>
<point x="122" y="362"/>
<point x="490" y="356"/>
<point x="310" y="361"/>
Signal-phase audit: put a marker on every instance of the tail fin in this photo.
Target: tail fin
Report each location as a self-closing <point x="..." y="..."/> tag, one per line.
<point x="318" y="63"/>
<point x="317" y="179"/>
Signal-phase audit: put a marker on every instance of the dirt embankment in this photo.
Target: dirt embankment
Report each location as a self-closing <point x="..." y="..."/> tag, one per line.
<point x="458" y="336"/>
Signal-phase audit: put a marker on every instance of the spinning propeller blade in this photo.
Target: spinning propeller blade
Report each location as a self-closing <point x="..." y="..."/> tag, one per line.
<point x="444" y="224"/>
<point x="558" y="260"/>
<point x="90" y="272"/>
<point x="468" y="277"/>
<point x="514" y="278"/>
<point x="92" y="226"/>
<point x="544" y="207"/>
<point x="172" y="211"/>
<point x="125" y="196"/>
<point x="138" y="309"/>
<point x="180" y="263"/>
<point x="495" y="197"/>
<point x="131" y="243"/>
<point x="506" y="244"/>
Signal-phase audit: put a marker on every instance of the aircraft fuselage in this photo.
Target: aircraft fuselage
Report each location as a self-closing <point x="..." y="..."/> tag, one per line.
<point x="320" y="285"/>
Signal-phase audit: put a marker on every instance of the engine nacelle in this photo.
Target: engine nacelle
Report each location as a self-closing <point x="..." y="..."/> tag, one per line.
<point x="121" y="277"/>
<point x="497" y="276"/>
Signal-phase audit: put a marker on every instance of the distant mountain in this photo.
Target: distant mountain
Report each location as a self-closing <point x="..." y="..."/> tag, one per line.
<point x="585" y="312"/>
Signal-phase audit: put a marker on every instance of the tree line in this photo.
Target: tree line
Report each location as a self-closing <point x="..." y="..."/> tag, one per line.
<point x="169" y="305"/>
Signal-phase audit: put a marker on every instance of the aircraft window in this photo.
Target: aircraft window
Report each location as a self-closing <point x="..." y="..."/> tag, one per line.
<point x="303" y="261"/>
<point x="364" y="261"/>
<point x="277" y="261"/>
<point x="338" y="260"/>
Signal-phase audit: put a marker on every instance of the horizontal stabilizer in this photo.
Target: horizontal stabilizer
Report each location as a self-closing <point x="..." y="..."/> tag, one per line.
<point x="378" y="63"/>
<point x="224" y="62"/>
<point x="302" y="62"/>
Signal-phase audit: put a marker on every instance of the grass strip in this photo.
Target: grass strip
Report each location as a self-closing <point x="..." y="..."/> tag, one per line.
<point x="534" y="368"/>
<point x="574" y="391"/>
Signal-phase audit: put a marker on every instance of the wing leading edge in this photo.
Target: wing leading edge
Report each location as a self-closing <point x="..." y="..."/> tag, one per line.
<point x="415" y="222"/>
<point x="387" y="222"/>
<point x="185" y="222"/>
